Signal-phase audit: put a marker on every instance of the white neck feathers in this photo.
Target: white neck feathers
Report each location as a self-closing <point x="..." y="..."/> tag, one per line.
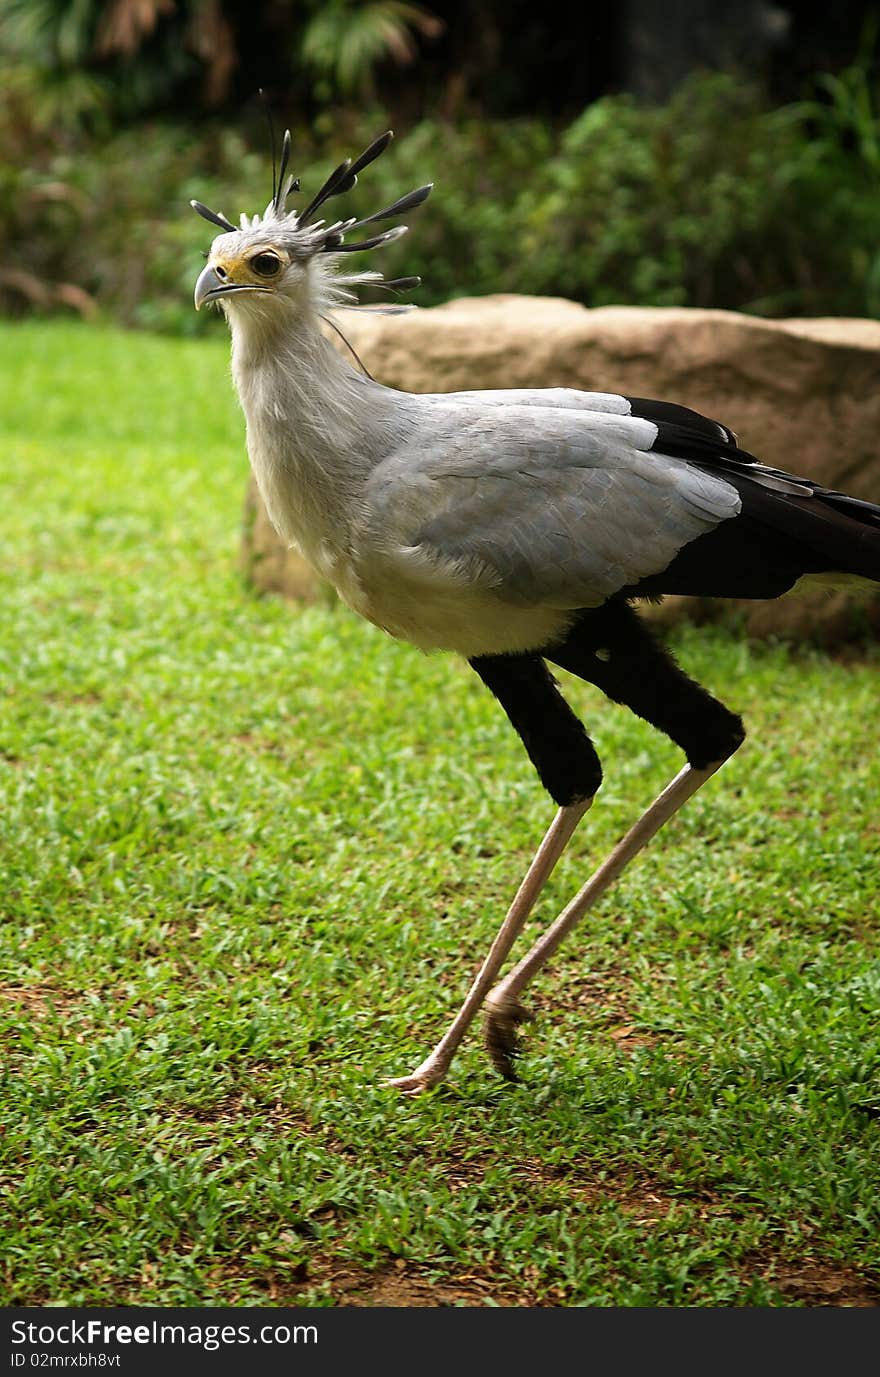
<point x="315" y="427"/>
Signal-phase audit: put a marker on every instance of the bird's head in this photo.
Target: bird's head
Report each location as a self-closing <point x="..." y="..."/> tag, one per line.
<point x="252" y="260"/>
<point x="284" y="256"/>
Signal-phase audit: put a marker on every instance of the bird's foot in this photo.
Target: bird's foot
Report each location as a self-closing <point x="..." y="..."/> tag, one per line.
<point x="501" y="1033"/>
<point x="425" y="1077"/>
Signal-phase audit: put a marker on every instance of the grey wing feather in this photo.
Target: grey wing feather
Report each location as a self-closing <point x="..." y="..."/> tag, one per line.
<point x="551" y="507"/>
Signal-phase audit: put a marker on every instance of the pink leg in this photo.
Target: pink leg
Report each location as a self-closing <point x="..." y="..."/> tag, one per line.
<point x="436" y="1064"/>
<point x="504" y="1011"/>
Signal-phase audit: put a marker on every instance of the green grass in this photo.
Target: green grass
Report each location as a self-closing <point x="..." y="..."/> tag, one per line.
<point x="250" y="856"/>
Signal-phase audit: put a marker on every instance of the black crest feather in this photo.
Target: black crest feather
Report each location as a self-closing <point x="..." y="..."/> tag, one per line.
<point x="377" y="239"/>
<point x="371" y="153"/>
<point x="345" y="176"/>
<point x="332" y="187"/>
<point x="398" y="207"/>
<point x="214" y="216"/>
<point x="279" y="193"/>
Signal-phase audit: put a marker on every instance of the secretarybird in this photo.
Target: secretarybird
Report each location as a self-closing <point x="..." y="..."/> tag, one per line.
<point x="514" y="527"/>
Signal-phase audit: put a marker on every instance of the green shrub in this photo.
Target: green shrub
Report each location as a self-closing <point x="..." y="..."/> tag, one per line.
<point x="710" y="200"/>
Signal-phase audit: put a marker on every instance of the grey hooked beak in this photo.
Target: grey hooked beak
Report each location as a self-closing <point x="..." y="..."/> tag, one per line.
<point x="208" y="287"/>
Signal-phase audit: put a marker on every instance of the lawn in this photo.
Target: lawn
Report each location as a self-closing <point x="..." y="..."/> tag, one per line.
<point x="250" y="856"/>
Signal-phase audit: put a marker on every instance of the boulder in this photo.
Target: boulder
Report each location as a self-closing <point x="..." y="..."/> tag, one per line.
<point x="803" y="395"/>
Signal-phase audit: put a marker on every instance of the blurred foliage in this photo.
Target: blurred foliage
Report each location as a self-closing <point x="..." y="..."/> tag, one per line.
<point x="89" y="61"/>
<point x="710" y="200"/>
<point x="119" y="59"/>
<point x="343" y="42"/>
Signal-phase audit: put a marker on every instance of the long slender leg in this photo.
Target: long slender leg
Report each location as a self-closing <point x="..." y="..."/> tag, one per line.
<point x="432" y="1070"/>
<point x="504" y="1013"/>
<point x="612" y="649"/>
<point x="569" y="767"/>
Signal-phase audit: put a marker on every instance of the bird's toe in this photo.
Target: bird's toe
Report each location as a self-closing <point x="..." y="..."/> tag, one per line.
<point x="407" y="1085"/>
<point x="425" y="1077"/>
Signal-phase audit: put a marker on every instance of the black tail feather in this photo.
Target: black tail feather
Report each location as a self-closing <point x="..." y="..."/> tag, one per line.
<point x="774" y="541"/>
<point x="841" y="533"/>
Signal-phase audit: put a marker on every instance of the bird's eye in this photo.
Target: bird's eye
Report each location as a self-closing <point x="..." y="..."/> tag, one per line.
<point x="266" y="264"/>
